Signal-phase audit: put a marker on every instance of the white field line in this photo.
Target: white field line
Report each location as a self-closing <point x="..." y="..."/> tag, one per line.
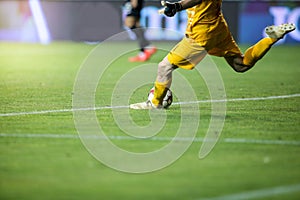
<point x="128" y="138"/>
<point x="262" y="193"/>
<point x="241" y="99"/>
<point x="175" y="103"/>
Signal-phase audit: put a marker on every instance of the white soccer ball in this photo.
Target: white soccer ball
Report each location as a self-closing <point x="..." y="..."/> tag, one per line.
<point x="167" y="101"/>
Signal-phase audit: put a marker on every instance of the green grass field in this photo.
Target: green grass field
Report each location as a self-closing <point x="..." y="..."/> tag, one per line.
<point x="42" y="157"/>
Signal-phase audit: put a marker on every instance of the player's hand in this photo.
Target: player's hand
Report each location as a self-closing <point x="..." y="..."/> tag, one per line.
<point x="171" y="8"/>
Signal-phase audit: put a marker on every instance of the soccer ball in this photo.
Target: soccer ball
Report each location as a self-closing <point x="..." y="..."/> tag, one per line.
<point x="167" y="101"/>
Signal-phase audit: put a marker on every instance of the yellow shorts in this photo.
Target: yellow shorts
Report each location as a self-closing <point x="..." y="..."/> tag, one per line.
<point x="188" y="53"/>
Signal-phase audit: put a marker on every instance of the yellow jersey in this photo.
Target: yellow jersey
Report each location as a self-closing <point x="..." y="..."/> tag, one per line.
<point x="205" y="20"/>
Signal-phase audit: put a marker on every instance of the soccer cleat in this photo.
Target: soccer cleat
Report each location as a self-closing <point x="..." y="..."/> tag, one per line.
<point x="277" y="32"/>
<point x="150" y="50"/>
<point x="141" y="57"/>
<point x="147" y="105"/>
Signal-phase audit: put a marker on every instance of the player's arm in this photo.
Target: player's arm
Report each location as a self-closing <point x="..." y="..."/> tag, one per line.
<point x="171" y="8"/>
<point x="189" y="3"/>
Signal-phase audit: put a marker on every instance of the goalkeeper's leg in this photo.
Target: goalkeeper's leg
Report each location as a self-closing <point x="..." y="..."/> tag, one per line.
<point x="243" y="63"/>
<point x="163" y="81"/>
<point x="257" y="51"/>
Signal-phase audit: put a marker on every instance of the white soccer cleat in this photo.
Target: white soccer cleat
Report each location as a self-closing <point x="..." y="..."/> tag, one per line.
<point x="147" y="105"/>
<point x="277" y="32"/>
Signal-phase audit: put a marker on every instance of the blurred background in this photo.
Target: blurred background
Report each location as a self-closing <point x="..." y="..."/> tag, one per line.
<point x="44" y="21"/>
<point x="41" y="155"/>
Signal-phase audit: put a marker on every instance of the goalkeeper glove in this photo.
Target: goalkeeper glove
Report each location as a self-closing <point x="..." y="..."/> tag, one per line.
<point x="172" y="8"/>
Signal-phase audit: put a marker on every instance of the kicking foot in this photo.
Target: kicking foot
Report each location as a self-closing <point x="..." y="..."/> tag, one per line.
<point x="279" y="31"/>
<point x="144" y="106"/>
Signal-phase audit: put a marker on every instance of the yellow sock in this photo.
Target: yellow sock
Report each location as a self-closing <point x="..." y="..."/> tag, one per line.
<point x="257" y="51"/>
<point x="160" y="90"/>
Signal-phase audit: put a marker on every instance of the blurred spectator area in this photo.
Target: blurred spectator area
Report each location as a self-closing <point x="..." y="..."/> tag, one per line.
<point x="95" y="20"/>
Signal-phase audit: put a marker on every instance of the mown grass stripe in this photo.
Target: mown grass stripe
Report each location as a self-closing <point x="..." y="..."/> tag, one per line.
<point x="128" y="138"/>
<point x="117" y="107"/>
<point x="262" y="193"/>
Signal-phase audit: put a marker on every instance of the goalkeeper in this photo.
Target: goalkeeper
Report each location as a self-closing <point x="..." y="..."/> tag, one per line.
<point x="206" y="33"/>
